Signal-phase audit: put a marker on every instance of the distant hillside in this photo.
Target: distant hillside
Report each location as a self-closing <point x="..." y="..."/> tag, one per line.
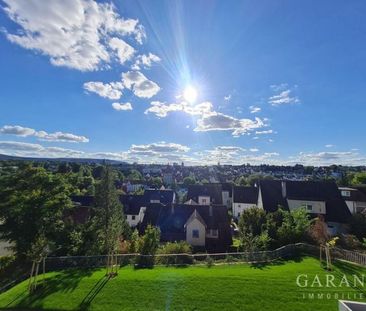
<point x="4" y="157"/>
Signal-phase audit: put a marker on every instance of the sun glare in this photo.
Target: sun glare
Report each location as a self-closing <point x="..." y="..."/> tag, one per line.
<point x="190" y="94"/>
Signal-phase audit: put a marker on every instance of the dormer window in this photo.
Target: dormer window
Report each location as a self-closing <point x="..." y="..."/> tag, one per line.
<point x="195" y="234"/>
<point x="346" y="193"/>
<point x="213" y="233"/>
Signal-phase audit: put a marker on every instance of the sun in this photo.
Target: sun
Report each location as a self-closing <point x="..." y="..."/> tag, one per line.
<point x="190" y="94"/>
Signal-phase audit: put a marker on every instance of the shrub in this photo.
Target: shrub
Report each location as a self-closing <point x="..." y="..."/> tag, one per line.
<point x="5" y="261"/>
<point x="147" y="246"/>
<point x="182" y="248"/>
<point x="349" y="241"/>
<point x="209" y="261"/>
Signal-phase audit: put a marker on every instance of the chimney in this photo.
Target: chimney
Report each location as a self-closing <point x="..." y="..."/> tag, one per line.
<point x="284" y="191"/>
<point x="210" y="211"/>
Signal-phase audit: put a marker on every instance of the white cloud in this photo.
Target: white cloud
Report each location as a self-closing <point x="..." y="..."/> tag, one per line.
<point x="162" y="109"/>
<point x="42" y="135"/>
<point x="19" y="146"/>
<point x="17" y="130"/>
<point x="163" y="152"/>
<point x="145" y="61"/>
<point x="160" y="147"/>
<point x="73" y="33"/>
<point x="36" y="150"/>
<point x="329" y="158"/>
<point x="279" y="87"/>
<point x="217" y="121"/>
<point x="106" y="90"/>
<point x="265" y="132"/>
<point x="209" y="120"/>
<point x="227" y="98"/>
<point x="120" y="106"/>
<point x="254" y="109"/>
<point x="283" y="98"/>
<point x="60" y="136"/>
<point x="139" y="84"/>
<point x="329" y="146"/>
<point x="230" y="148"/>
<point x="123" y="50"/>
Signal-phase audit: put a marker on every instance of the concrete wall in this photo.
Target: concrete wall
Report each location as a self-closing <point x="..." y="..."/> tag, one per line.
<point x="195" y="224"/>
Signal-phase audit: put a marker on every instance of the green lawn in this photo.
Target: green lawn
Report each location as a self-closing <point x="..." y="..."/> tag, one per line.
<point x="225" y="287"/>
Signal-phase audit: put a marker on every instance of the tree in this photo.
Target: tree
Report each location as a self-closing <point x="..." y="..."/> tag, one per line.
<point x="251" y="224"/>
<point x="359" y="178"/>
<point x="241" y="181"/>
<point x="156" y="182"/>
<point x="32" y="203"/>
<point x="189" y="180"/>
<point x="109" y="218"/>
<point x="147" y="246"/>
<point x="294" y="226"/>
<point x="358" y="226"/>
<point x="64" y="168"/>
<point x="252" y="220"/>
<point x="135" y="175"/>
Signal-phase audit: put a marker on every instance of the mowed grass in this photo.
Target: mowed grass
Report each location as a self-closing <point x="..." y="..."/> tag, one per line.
<point x="223" y="287"/>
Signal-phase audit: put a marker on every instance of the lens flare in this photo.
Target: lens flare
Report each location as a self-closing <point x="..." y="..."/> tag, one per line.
<point x="190" y="94"/>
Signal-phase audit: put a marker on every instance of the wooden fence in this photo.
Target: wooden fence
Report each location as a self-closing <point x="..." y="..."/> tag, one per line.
<point x="352" y="256"/>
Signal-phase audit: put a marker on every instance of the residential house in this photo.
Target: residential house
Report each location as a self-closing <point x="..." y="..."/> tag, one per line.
<point x="134" y="207"/>
<point x="318" y="198"/>
<point x="164" y="196"/>
<point x="206" y="194"/>
<point x="200" y="225"/>
<point x="133" y="186"/>
<point x="227" y="194"/>
<point x="355" y="199"/>
<point x="244" y="198"/>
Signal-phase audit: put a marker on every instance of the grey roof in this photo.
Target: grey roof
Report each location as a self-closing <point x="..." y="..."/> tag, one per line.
<point x="336" y="208"/>
<point x="247" y="195"/>
<point x="214" y="191"/>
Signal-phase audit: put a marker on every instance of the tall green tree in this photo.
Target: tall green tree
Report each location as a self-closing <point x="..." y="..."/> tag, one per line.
<point x="32" y="203"/>
<point x="359" y="178"/>
<point x="110" y="223"/>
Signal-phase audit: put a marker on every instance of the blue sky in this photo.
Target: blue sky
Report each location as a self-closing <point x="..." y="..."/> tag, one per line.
<point x="278" y="82"/>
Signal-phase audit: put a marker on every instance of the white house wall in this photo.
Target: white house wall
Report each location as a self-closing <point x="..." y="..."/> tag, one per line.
<point x="226" y="199"/>
<point x="204" y="200"/>
<point x="238" y="208"/>
<point x="318" y="207"/>
<point x="195" y="224"/>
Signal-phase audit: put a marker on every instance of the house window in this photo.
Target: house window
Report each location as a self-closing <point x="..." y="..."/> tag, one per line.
<point x="195" y="234"/>
<point x="346" y="193"/>
<point x="309" y="207"/>
<point x="204" y="201"/>
<point x="133" y="217"/>
<point x="214" y="233"/>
